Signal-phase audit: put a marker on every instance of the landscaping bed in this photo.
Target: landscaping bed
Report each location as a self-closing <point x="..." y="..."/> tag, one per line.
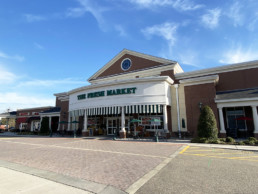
<point x="229" y="140"/>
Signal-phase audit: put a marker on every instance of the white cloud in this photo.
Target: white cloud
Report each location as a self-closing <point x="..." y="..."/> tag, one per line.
<point x="34" y="18"/>
<point x="49" y="83"/>
<point x="253" y="23"/>
<point x="91" y="7"/>
<point x="15" y="57"/>
<point x="236" y="14"/>
<point x="120" y="30"/>
<point x="238" y="55"/>
<point x="211" y="19"/>
<point x="189" y="57"/>
<point x="7" y="77"/>
<point x="184" y="5"/>
<point x="166" y="30"/>
<point x="38" y="46"/>
<point x="16" y="101"/>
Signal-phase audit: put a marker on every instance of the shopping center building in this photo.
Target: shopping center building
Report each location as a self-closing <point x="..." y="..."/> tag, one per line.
<point x="157" y="93"/>
<point x="159" y="96"/>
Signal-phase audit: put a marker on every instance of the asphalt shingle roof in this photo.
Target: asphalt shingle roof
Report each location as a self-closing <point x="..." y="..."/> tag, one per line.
<point x="236" y="94"/>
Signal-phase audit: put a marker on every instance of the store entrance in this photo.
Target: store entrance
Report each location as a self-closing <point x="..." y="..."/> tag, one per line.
<point x="114" y="125"/>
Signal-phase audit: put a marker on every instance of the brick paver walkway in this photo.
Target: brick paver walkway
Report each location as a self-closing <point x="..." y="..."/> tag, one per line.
<point x="115" y="163"/>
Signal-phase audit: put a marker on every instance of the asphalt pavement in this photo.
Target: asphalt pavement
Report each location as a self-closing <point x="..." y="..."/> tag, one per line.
<point x="207" y="170"/>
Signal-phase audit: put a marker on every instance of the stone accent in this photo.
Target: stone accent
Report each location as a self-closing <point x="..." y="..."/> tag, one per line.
<point x="85" y="133"/>
<point x="122" y="134"/>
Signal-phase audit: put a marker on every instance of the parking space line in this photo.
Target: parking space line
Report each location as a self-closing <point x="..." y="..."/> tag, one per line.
<point x="214" y="154"/>
<point x="203" y="155"/>
<point x="243" y="157"/>
<point x="203" y="150"/>
<point x="184" y="149"/>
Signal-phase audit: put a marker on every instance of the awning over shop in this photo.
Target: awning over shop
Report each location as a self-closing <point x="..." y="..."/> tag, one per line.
<point x="22" y="120"/>
<point x="115" y="110"/>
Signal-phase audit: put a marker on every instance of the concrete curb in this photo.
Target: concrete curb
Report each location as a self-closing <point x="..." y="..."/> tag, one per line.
<point x="66" y="180"/>
<point x="232" y="147"/>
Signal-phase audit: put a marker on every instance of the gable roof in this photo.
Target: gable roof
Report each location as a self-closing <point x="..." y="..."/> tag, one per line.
<point x="133" y="53"/>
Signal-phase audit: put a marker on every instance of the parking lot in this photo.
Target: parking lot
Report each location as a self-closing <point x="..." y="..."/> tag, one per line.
<point x="207" y="170"/>
<point x="108" y="162"/>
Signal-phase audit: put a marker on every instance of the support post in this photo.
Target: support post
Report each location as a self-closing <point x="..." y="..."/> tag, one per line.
<point x="165" y="118"/>
<point x="122" y="132"/>
<point x="255" y="119"/>
<point x="59" y="120"/>
<point x="85" y="125"/>
<point x="178" y="112"/>
<point x="221" y="120"/>
<point x="50" y="128"/>
<point x="69" y="121"/>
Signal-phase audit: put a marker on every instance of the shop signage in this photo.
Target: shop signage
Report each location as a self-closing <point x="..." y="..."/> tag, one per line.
<point x="24" y="113"/>
<point x="107" y="93"/>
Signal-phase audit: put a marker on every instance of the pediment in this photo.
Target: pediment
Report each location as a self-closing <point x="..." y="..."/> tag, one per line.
<point x="138" y="62"/>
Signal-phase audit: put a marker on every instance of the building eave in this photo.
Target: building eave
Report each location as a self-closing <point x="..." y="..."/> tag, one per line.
<point x="216" y="70"/>
<point x="118" y="82"/>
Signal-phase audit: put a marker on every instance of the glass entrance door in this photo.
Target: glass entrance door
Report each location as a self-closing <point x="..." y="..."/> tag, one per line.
<point x="111" y="126"/>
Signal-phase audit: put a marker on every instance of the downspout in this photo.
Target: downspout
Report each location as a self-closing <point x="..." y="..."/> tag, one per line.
<point x="178" y="113"/>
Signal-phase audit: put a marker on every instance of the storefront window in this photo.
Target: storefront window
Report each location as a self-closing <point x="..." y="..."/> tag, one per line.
<point x="232" y="118"/>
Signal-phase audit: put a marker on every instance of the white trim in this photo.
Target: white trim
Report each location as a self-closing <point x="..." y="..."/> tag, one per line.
<point x="237" y="104"/>
<point x="237" y="100"/>
<point x="151" y="72"/>
<point x="113" y="83"/>
<point x="129" y="52"/>
<point x="200" y="80"/>
<point x="221" y="69"/>
<point x="122" y="64"/>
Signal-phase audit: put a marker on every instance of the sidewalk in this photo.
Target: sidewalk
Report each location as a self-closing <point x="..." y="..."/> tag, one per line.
<point x="18" y="182"/>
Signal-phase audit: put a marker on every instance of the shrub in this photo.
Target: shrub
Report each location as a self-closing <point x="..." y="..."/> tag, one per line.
<point x="251" y="142"/>
<point x="222" y="139"/>
<point x="195" y="140"/>
<point x="214" y="141"/>
<point x="199" y="140"/>
<point x="241" y="143"/>
<point x="203" y="140"/>
<point x="252" y="139"/>
<point x="207" y="126"/>
<point x="230" y="140"/>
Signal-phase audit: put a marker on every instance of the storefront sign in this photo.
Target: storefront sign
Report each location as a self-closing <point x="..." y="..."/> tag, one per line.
<point x="24" y="113"/>
<point x="107" y="93"/>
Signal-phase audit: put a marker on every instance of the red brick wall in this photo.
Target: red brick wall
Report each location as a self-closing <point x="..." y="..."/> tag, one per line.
<point x="238" y="80"/>
<point x="169" y="73"/>
<point x="137" y="64"/>
<point x="194" y="94"/>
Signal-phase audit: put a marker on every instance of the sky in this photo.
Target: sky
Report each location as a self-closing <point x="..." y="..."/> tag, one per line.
<point x="53" y="46"/>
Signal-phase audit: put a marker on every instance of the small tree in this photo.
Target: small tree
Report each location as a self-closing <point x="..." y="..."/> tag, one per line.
<point x="44" y="126"/>
<point x="207" y="125"/>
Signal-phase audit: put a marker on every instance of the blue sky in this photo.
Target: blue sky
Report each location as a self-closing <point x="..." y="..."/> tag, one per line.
<point x="48" y="47"/>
